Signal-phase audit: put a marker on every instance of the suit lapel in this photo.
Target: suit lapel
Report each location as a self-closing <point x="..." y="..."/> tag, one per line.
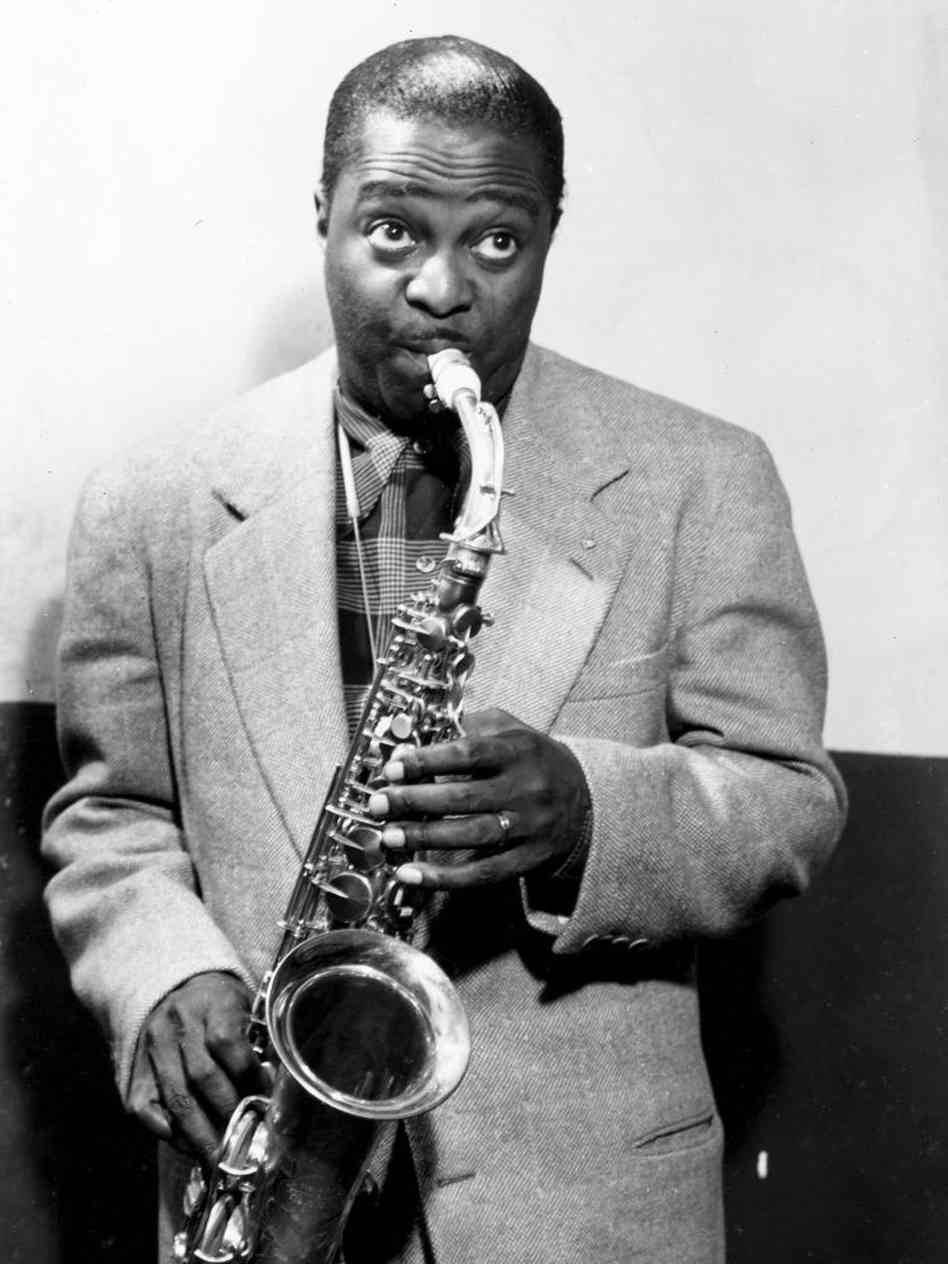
<point x="550" y="591"/>
<point x="272" y="591"/>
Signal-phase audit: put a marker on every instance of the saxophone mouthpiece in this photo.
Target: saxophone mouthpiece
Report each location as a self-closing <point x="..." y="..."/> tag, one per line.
<point x="453" y="375"/>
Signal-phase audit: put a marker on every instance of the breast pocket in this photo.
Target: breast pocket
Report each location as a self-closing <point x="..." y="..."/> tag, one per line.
<point x="623" y="676"/>
<point x="620" y="700"/>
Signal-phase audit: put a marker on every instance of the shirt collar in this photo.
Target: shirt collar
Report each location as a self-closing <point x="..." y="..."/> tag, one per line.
<point x="376" y="451"/>
<point x="370" y="436"/>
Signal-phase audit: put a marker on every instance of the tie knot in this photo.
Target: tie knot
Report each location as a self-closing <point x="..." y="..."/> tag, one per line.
<point x="377" y="451"/>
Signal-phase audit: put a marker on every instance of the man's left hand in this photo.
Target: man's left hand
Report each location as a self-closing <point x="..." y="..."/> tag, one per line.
<point x="510" y="794"/>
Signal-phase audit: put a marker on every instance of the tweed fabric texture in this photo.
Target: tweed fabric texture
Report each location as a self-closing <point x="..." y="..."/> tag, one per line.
<point x="652" y="612"/>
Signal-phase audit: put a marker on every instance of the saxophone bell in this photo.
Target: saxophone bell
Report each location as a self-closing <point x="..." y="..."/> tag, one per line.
<point x="368" y="1024"/>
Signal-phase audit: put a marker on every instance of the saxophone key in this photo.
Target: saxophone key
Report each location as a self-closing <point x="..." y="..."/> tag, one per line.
<point x="372" y="759"/>
<point x="466" y="621"/>
<point x="429" y="683"/>
<point x="403" y="725"/>
<point x="245" y="1144"/>
<point x="461" y="665"/>
<point x="195" y="1190"/>
<point x="357" y="788"/>
<point x="346" y="814"/>
<point x="234" y="1238"/>
<point x="215" y="1244"/>
<point x="363" y="847"/>
<point x="298" y="928"/>
<point x="402" y="903"/>
<point x="432" y="633"/>
<point x="393" y="690"/>
<point x="349" y="898"/>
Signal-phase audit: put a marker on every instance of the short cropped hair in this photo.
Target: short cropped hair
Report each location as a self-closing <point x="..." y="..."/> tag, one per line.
<point x="450" y="80"/>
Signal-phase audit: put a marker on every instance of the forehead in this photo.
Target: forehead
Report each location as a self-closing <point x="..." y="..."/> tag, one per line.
<point x="430" y="158"/>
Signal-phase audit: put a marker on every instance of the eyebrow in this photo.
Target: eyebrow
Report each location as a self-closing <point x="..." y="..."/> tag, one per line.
<point x="408" y="188"/>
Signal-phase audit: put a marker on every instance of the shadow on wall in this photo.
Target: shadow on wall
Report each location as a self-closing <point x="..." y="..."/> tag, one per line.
<point x="296" y="328"/>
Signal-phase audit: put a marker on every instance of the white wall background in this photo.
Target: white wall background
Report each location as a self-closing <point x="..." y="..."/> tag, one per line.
<point x="756" y="224"/>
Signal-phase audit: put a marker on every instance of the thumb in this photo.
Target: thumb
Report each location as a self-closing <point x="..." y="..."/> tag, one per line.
<point x="144" y="1100"/>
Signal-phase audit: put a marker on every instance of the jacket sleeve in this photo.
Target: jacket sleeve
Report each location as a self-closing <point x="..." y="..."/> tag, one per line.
<point x="123" y="900"/>
<point x="696" y="835"/>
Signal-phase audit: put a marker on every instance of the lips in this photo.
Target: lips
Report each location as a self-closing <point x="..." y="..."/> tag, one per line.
<point x="428" y="343"/>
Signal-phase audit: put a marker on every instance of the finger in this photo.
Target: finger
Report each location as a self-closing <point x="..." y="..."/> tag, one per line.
<point x="209" y="1084"/>
<point x="447" y="798"/>
<point x="490" y="829"/>
<point x="492" y="869"/>
<point x="153" y="1116"/>
<point x="470" y="754"/>
<point x="190" y="1126"/>
<point x="144" y="1101"/>
<point x="228" y="1044"/>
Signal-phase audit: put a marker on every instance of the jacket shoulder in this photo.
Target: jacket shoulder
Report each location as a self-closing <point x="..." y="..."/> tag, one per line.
<point x="630" y="419"/>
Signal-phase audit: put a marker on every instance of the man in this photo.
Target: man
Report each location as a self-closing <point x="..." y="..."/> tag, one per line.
<point x="642" y="766"/>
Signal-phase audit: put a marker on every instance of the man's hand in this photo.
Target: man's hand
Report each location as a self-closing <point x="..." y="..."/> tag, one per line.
<point x="514" y="796"/>
<point x="194" y="1062"/>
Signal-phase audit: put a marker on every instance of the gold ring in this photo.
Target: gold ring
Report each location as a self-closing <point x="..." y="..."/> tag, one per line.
<point x="503" y="820"/>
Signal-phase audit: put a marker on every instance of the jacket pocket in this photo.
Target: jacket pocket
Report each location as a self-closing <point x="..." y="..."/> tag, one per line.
<point x="683" y="1134"/>
<point x="620" y="677"/>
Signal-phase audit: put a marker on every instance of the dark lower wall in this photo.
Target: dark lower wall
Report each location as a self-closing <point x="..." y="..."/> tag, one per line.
<point x="824" y="1026"/>
<point x="77" y="1184"/>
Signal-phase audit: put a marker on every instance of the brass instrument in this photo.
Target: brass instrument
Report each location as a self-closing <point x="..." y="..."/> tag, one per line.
<point x="359" y="1026"/>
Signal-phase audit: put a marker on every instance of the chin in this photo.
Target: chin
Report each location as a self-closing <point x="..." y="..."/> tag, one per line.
<point x="401" y="385"/>
<point x="403" y="404"/>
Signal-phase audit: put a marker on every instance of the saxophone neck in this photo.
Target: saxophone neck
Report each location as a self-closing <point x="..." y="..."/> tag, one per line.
<point x="457" y="386"/>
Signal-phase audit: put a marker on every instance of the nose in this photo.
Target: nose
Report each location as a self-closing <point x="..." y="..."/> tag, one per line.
<point x="440" y="285"/>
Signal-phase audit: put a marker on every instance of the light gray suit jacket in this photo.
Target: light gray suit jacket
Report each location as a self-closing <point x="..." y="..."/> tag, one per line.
<point x="651" y="612"/>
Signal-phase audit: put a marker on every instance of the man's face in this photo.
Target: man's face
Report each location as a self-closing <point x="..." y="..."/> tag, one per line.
<point x="435" y="237"/>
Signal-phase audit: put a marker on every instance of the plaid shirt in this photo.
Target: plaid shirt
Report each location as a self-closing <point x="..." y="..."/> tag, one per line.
<point x="407" y="492"/>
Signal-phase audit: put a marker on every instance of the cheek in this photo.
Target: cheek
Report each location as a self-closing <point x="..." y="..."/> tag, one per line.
<point x="510" y="308"/>
<point x="359" y="294"/>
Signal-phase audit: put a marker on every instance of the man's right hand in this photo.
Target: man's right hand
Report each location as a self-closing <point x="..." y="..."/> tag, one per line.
<point x="194" y="1062"/>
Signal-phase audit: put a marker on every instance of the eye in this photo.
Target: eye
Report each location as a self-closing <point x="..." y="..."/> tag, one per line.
<point x="389" y="237"/>
<point x="498" y="246"/>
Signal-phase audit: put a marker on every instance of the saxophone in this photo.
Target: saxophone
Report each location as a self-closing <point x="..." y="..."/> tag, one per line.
<point x="355" y="1025"/>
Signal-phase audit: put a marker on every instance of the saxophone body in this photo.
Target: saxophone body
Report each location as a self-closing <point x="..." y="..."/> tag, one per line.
<point x="357" y="1026"/>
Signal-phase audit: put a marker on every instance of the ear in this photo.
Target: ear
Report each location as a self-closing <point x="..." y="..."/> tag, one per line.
<point x="322" y="212"/>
